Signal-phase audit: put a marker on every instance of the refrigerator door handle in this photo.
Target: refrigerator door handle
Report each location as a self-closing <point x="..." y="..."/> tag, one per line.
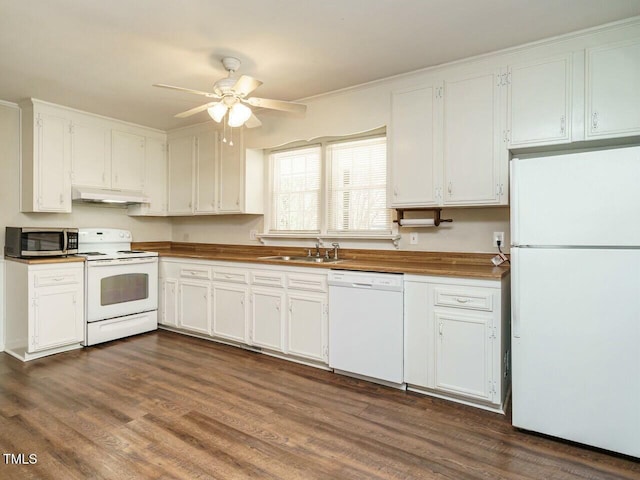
<point x="515" y="293"/>
<point x="513" y="192"/>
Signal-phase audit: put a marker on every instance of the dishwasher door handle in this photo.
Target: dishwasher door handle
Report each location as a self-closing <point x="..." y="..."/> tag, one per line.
<point x="362" y="285"/>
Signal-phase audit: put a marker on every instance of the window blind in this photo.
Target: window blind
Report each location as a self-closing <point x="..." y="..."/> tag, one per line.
<point x="295" y="190"/>
<point x="358" y="186"/>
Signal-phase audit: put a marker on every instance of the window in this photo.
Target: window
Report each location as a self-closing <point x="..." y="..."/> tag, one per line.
<point x="358" y="186"/>
<point x="296" y="190"/>
<point x="335" y="187"/>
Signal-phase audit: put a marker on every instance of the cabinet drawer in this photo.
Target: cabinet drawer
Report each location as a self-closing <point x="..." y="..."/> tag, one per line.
<point x="47" y="279"/>
<point x="231" y="275"/>
<point x="201" y="272"/>
<point x="469" y="298"/>
<point x="273" y="279"/>
<point x="316" y="283"/>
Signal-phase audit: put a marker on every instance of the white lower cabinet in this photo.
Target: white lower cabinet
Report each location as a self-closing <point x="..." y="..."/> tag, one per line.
<point x="282" y="311"/>
<point x="308" y="325"/>
<point x="457" y="339"/>
<point x="194" y="300"/>
<point x="230" y="311"/>
<point x="51" y="299"/>
<point x="267" y="317"/>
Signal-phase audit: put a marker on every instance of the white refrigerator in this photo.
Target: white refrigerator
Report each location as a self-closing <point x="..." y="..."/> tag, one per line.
<point x="575" y="254"/>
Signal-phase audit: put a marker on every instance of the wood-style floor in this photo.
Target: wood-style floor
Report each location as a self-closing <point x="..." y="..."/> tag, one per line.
<point x="167" y="406"/>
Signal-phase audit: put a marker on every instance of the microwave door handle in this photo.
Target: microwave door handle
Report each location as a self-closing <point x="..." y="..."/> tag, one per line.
<point x="65" y="234"/>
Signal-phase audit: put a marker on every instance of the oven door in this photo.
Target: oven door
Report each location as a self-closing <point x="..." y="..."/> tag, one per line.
<point x="121" y="287"/>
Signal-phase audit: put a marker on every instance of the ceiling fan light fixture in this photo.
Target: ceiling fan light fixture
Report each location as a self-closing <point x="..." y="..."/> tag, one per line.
<point x="239" y="114"/>
<point x="217" y="112"/>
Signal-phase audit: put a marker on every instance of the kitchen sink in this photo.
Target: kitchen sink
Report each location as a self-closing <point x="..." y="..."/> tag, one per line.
<point x="287" y="258"/>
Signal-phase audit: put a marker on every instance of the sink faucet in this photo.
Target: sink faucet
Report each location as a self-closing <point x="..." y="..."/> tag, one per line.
<point x="335" y="246"/>
<point x="317" y="249"/>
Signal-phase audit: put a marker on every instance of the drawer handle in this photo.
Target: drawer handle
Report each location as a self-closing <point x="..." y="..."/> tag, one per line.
<point x="57" y="279"/>
<point x="462" y="300"/>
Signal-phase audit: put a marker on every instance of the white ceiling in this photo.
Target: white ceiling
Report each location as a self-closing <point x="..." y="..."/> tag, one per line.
<point x="103" y="55"/>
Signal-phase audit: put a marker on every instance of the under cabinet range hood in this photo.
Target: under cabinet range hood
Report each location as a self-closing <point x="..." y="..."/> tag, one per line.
<point x="100" y="195"/>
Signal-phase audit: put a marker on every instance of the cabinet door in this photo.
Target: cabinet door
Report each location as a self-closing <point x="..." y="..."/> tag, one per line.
<point x="464" y="353"/>
<point x="155" y="175"/>
<point x="206" y="148"/>
<point x="180" y="179"/>
<point x="195" y="306"/>
<point x="127" y="161"/>
<point x="414" y="160"/>
<point x="267" y="318"/>
<point x="168" y="305"/>
<point x="90" y="155"/>
<point x="230" y="175"/>
<point x="308" y="326"/>
<point x="613" y="90"/>
<point x="230" y="312"/>
<point x="474" y="150"/>
<point x="57" y="317"/>
<point x="540" y="102"/>
<point x="53" y="159"/>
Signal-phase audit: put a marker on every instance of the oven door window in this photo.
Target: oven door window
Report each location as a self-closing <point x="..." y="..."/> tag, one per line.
<point x="124" y="288"/>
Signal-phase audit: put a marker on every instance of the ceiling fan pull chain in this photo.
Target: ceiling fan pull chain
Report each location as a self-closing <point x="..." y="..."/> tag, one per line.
<point x="224" y="130"/>
<point x="231" y="136"/>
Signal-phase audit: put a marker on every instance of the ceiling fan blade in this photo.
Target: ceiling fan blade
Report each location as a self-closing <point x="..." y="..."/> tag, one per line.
<point x="245" y="85"/>
<point x="187" y="90"/>
<point x="253" y="122"/>
<point x="277" y="105"/>
<point x="193" y="111"/>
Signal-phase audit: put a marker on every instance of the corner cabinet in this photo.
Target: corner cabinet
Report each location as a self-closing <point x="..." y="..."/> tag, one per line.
<point x="46" y="158"/>
<point x="45" y="308"/>
<point x="613" y="90"/>
<point x="457" y="339"/>
<point x="448" y="143"/>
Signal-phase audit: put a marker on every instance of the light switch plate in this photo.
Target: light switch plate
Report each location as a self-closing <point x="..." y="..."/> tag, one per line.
<point x="413" y="238"/>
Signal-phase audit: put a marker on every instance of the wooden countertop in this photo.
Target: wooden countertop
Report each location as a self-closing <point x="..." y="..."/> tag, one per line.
<point x="462" y="265"/>
<point x="45" y="260"/>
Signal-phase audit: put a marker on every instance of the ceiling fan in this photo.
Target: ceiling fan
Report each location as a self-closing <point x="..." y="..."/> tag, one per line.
<point x="230" y="94"/>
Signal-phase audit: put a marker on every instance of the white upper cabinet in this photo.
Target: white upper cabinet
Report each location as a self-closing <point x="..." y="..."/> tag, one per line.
<point x="90" y="152"/>
<point x="205" y="178"/>
<point x="155" y="168"/>
<point x="230" y="174"/>
<point x="413" y="157"/>
<point x="475" y="157"/>
<point x="209" y="176"/>
<point x="613" y="90"/>
<point x="46" y="158"/>
<point x="539" y="111"/>
<point x="180" y="175"/>
<point x="127" y="161"/>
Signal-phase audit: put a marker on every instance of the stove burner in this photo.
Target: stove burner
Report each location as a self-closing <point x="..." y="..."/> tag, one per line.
<point x="93" y="253"/>
<point x="130" y="251"/>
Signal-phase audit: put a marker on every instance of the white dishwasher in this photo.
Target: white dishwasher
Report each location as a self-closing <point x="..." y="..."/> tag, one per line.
<point x="366" y="325"/>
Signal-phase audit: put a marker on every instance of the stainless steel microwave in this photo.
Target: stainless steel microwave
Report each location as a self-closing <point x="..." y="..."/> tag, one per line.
<point x="27" y="242"/>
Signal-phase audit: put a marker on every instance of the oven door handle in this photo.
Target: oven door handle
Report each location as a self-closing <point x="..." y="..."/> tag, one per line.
<point x="121" y="261"/>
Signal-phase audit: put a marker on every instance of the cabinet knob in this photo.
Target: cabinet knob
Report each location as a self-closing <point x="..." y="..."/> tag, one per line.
<point x="594" y="120"/>
<point x="562" y="124"/>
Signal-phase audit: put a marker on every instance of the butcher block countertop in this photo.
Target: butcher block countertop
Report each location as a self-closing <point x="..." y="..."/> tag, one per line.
<point x="45" y="260"/>
<point x="462" y="265"/>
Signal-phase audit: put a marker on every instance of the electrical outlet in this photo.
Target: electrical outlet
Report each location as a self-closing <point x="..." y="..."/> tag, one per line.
<point x="498" y="236"/>
<point x="413" y="238"/>
<point x="253" y="234"/>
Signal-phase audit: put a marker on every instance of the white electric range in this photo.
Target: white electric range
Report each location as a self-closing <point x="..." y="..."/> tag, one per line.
<point x="121" y="285"/>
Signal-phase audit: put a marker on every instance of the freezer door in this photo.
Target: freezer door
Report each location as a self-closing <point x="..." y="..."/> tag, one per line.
<point x="576" y="345"/>
<point x="582" y="199"/>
